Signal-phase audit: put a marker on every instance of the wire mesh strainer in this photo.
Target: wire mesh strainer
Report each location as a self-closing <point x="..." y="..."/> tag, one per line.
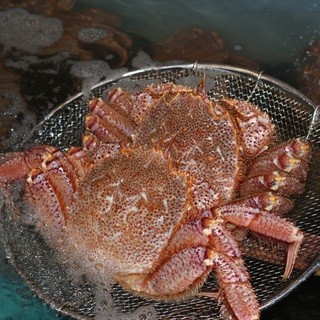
<point x="294" y="116"/>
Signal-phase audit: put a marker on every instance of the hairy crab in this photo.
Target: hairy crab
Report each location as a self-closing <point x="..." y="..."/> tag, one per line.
<point x="164" y="178"/>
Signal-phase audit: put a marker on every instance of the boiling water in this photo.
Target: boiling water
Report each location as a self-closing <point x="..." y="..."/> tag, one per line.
<point x="271" y="33"/>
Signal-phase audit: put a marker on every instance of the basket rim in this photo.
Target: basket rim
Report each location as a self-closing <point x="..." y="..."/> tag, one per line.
<point x="191" y="66"/>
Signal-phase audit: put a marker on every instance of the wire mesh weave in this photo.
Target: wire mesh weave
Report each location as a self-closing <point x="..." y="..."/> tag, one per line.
<point x="294" y="116"/>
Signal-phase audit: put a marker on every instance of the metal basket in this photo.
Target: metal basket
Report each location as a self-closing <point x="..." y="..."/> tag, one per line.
<point x="294" y="115"/>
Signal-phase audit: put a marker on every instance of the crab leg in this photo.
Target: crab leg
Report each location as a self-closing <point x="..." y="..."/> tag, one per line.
<point x="255" y="126"/>
<point x="178" y="276"/>
<point x="198" y="248"/>
<point x="186" y="252"/>
<point x="15" y="165"/>
<point x="268" y="201"/>
<point x="273" y="181"/>
<point x="283" y="169"/>
<point x="236" y="296"/>
<point x="51" y="187"/>
<point x="42" y="194"/>
<point x="97" y="149"/>
<point x="291" y="157"/>
<point x="121" y="99"/>
<point x="267" y="224"/>
<point x="106" y="123"/>
<point x="266" y="249"/>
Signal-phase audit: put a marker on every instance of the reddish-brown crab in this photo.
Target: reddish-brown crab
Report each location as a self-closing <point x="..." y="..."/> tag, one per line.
<point x="150" y="195"/>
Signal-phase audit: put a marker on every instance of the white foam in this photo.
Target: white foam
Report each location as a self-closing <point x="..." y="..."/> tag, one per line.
<point x="143" y="60"/>
<point x="91" y="35"/>
<point x="25" y="62"/>
<point x="91" y="72"/>
<point x="82" y="263"/>
<point x="105" y="309"/>
<point x="28" y="32"/>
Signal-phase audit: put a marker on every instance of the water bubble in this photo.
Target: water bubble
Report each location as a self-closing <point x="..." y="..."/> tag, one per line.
<point x="91" y="35"/>
<point x="237" y="47"/>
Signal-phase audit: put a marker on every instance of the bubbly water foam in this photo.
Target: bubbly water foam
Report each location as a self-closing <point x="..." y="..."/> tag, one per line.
<point x="28" y="32"/>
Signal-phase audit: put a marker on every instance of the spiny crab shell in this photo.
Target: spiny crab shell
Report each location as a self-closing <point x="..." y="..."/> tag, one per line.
<point x="152" y="195"/>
